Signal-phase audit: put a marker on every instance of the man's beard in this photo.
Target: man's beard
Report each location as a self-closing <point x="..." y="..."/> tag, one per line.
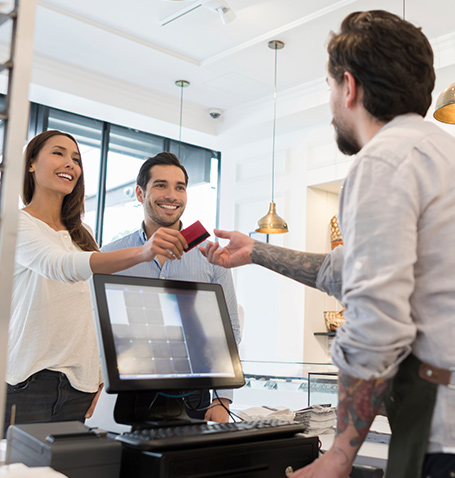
<point x="160" y="220"/>
<point x="346" y="142"/>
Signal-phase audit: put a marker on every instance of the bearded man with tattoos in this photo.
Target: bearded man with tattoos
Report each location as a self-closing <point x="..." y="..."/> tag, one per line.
<point x="395" y="274"/>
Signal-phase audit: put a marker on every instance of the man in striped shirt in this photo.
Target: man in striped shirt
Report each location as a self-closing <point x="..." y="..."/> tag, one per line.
<point x="162" y="190"/>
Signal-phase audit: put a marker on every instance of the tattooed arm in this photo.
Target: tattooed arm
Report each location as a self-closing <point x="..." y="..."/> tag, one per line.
<point x="358" y="403"/>
<point x="300" y="266"/>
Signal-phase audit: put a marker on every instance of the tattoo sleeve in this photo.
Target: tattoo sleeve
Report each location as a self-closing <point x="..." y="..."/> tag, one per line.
<point x="358" y="403"/>
<point x="300" y="266"/>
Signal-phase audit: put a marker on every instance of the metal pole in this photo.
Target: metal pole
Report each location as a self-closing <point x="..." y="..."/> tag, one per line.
<point x="17" y="112"/>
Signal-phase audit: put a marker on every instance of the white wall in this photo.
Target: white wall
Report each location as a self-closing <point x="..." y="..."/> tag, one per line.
<point x="281" y="314"/>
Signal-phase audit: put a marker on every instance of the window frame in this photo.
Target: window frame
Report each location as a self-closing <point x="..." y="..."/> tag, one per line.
<point x="39" y="122"/>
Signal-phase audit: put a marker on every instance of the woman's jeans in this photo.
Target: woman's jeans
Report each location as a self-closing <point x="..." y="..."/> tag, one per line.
<point x="46" y="396"/>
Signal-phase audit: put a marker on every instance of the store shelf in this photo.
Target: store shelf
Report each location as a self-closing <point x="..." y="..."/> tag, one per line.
<point x="325" y="334"/>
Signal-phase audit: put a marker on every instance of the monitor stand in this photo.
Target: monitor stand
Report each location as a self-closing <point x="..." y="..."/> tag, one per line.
<point x="152" y="409"/>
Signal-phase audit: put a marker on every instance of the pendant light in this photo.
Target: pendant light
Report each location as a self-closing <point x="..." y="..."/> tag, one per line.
<point x="181" y="84"/>
<point x="271" y="223"/>
<point x="444" y="110"/>
<point x="445" y="106"/>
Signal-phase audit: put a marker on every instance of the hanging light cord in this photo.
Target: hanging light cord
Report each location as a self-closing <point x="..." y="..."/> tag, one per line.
<point x="274" y="128"/>
<point x="181" y="116"/>
<point x="404" y="9"/>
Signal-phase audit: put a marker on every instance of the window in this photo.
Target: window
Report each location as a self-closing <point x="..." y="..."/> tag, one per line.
<point x="127" y="151"/>
<point x="112" y="156"/>
<point x="202" y="166"/>
<point x="88" y="133"/>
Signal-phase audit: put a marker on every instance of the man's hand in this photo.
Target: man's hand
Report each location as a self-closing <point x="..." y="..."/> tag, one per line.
<point x="333" y="464"/>
<point x="166" y="242"/>
<point x="216" y="412"/>
<point x="236" y="253"/>
<point x="89" y="412"/>
<point x="358" y="402"/>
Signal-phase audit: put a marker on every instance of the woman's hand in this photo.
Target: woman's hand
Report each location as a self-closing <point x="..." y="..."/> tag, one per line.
<point x="166" y="242"/>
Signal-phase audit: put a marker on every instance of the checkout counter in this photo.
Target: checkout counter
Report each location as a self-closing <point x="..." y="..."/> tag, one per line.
<point x="201" y="354"/>
<point x="79" y="452"/>
<point x="103" y="457"/>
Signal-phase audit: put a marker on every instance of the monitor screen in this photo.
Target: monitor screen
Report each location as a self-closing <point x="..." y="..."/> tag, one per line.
<point x="159" y="334"/>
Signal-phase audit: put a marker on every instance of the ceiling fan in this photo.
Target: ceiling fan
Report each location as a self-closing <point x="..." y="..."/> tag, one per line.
<point x="219" y="6"/>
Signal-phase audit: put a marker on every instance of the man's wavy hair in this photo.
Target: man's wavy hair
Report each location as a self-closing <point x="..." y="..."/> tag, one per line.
<point x="389" y="57"/>
<point x="73" y="203"/>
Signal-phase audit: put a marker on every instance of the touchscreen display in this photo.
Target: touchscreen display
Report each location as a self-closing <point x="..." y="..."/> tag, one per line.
<point x="157" y="334"/>
<point x="163" y="333"/>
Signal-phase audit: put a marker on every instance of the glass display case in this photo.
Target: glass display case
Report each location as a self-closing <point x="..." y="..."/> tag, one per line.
<point x="292" y="385"/>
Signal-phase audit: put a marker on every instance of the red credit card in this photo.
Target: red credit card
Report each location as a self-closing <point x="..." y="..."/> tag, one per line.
<point x="194" y="234"/>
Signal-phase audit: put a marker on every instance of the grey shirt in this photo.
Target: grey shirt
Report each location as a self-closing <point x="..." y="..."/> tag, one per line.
<point x="397" y="218"/>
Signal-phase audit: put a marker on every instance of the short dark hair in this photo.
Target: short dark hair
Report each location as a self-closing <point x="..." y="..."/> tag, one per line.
<point x="389" y="57"/>
<point x="161" y="159"/>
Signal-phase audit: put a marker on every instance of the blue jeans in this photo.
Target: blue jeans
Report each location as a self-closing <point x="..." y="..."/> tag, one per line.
<point x="439" y="465"/>
<point x="46" y="396"/>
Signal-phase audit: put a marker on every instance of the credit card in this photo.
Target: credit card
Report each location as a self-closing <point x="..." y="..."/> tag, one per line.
<point x="194" y="234"/>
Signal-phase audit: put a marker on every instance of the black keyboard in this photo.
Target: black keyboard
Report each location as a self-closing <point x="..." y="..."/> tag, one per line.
<point x="194" y="435"/>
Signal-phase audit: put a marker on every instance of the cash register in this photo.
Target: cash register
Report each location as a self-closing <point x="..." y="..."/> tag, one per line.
<point x="163" y="340"/>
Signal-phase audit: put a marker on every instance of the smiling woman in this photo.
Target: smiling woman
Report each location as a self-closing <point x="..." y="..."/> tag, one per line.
<point x="53" y="371"/>
<point x="53" y="188"/>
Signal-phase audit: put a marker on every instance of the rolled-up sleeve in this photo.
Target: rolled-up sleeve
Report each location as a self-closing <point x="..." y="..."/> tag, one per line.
<point x="330" y="275"/>
<point x="379" y="213"/>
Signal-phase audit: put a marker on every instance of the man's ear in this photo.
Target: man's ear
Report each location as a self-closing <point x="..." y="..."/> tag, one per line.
<point x="140" y="194"/>
<point x="351" y="89"/>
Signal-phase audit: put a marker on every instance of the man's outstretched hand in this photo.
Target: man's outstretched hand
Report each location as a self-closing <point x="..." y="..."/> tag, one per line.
<point x="332" y="464"/>
<point x="236" y="253"/>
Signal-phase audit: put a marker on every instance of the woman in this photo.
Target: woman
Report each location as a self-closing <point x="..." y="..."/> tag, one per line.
<point x="53" y="370"/>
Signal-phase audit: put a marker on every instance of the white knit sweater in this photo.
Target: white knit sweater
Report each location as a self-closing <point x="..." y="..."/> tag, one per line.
<point x="51" y="325"/>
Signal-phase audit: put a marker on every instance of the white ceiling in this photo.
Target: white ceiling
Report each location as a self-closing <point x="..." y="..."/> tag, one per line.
<point x="227" y="65"/>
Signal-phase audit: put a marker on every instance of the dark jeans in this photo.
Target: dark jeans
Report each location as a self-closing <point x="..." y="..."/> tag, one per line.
<point x="46" y="396"/>
<point x="439" y="465"/>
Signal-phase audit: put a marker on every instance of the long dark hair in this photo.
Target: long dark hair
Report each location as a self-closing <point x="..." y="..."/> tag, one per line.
<point x="73" y="203"/>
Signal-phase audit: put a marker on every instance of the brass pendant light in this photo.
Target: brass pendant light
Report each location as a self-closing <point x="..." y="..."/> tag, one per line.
<point x="444" y="110"/>
<point x="271" y="223"/>
<point x="181" y="84"/>
<point x="445" y="106"/>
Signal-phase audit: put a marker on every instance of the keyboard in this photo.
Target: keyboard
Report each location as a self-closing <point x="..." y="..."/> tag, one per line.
<point x="194" y="435"/>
